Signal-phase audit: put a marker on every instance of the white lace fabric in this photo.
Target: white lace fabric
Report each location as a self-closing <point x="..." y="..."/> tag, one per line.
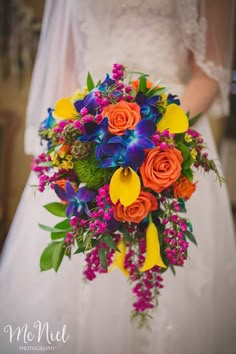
<point x="151" y="36"/>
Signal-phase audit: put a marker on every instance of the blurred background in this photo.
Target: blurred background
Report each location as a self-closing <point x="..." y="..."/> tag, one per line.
<point x="20" y="23"/>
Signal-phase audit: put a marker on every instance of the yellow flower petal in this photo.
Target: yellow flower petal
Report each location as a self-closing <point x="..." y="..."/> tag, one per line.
<point x="174" y="120"/>
<point x="119" y="258"/>
<point x="64" y="109"/>
<point x="125" y="186"/>
<point x="153" y="255"/>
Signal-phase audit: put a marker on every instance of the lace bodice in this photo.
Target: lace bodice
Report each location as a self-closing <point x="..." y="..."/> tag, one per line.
<point x="139" y="34"/>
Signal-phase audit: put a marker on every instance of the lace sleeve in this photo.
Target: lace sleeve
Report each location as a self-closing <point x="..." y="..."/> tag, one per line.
<point x="207" y="30"/>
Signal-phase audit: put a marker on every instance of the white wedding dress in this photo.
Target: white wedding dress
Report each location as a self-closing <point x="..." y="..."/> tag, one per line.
<point x="197" y="309"/>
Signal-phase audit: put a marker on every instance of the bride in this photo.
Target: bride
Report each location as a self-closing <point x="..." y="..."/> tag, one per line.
<point x="186" y="43"/>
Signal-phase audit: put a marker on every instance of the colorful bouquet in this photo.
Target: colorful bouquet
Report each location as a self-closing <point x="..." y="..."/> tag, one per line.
<point x="121" y="155"/>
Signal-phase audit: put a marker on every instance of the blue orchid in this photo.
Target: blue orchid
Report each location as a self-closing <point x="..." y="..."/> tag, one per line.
<point x="128" y="149"/>
<point x="117" y="155"/>
<point x="148" y="107"/>
<point x="173" y="99"/>
<point x="48" y="122"/>
<point x="88" y="102"/>
<point x="97" y="133"/>
<point x="77" y="201"/>
<point x="108" y="82"/>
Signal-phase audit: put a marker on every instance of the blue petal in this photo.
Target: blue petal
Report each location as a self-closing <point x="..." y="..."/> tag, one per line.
<point x="90" y="103"/>
<point x="144" y="142"/>
<point x="135" y="155"/>
<point x="112" y="149"/>
<point x="79" y="105"/>
<point x="90" y="127"/>
<point x="49" y="121"/>
<point x="153" y="100"/>
<point x="99" y="151"/>
<point x="86" y="209"/>
<point x="117" y="140"/>
<point x="86" y="195"/>
<point x="145" y="127"/>
<point x="140" y="98"/>
<point x="70" y="210"/>
<point x="108" y="162"/>
<point x="173" y="99"/>
<point x="107" y="82"/>
<point x="70" y="190"/>
<point x="61" y="193"/>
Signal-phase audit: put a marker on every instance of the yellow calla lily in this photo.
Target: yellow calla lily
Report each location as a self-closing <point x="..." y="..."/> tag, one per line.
<point x="119" y="258"/>
<point x="64" y="109"/>
<point x="174" y="120"/>
<point x="153" y="255"/>
<point x="125" y="186"/>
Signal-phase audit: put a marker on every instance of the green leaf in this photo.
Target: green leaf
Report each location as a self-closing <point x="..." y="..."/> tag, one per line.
<point x="109" y="242"/>
<point x="191" y="237"/>
<point x="188" y="173"/>
<point x="184" y="150"/>
<point x="188" y="163"/>
<point x="58" y="255"/>
<point x="90" y="83"/>
<point x="80" y="249"/>
<point x="58" y="235"/>
<point x="142" y="84"/>
<point x="64" y="225"/>
<point x="62" y="228"/>
<point x="127" y="235"/>
<point x="190" y="226"/>
<point x="157" y="91"/>
<point x="57" y="209"/>
<point x="46" y="257"/>
<point x="50" y="229"/>
<point x="172" y="268"/>
<point x="102" y="257"/>
<point x="188" y="114"/>
<point x="57" y="148"/>
<point x="99" y="83"/>
<point x="51" y="150"/>
<point x="194" y="120"/>
<point x="153" y="88"/>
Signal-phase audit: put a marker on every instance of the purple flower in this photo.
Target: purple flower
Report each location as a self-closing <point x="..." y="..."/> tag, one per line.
<point x="77" y="201"/>
<point x="89" y="102"/>
<point x="128" y="149"/>
<point x="97" y="133"/>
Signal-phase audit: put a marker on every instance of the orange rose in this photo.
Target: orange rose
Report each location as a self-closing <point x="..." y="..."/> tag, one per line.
<point x="121" y="116"/>
<point x="161" y="169"/>
<point x="135" y="84"/>
<point x="184" y="188"/>
<point x="137" y="211"/>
